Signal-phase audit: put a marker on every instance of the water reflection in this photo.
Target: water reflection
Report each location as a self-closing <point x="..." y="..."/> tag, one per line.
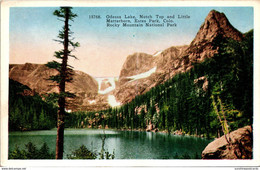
<point x="126" y="144"/>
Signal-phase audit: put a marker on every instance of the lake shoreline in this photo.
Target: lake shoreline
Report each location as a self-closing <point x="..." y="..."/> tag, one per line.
<point x="175" y="133"/>
<point x="127" y="143"/>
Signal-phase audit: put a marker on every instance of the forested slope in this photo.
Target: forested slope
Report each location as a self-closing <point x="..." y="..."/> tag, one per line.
<point x="192" y="101"/>
<point x="27" y="110"/>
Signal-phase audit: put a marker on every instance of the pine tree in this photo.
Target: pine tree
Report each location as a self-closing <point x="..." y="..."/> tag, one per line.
<point x="42" y="120"/>
<point x="35" y="123"/>
<point x="65" y="71"/>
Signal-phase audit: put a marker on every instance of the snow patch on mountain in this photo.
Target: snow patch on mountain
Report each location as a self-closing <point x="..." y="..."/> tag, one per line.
<point x="157" y="53"/>
<point x="92" y="101"/>
<point x="143" y="75"/>
<point x="110" y="80"/>
<point x="109" y="89"/>
<point x="112" y="101"/>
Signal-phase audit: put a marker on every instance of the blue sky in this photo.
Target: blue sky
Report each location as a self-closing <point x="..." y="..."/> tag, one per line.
<point x="103" y="50"/>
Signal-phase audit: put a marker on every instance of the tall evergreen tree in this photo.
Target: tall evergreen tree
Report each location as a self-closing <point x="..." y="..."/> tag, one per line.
<point x="65" y="15"/>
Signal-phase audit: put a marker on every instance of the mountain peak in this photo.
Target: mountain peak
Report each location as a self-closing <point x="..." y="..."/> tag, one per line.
<point x="215" y="24"/>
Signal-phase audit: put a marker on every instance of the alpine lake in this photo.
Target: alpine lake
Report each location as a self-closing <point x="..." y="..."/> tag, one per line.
<point x="124" y="144"/>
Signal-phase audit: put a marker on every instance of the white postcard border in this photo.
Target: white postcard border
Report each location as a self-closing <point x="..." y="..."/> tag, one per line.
<point x="5" y="5"/>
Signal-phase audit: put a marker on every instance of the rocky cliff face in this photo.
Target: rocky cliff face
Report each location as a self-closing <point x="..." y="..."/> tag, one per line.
<point x="173" y="60"/>
<point x="216" y="25"/>
<point x="131" y="80"/>
<point x="105" y="84"/>
<point x="239" y="147"/>
<point x="35" y="76"/>
<point x="137" y="63"/>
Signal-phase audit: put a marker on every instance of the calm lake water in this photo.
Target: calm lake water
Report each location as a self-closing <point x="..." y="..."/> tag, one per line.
<point x="125" y="144"/>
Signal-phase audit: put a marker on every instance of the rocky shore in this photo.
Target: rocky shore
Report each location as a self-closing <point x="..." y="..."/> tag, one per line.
<point x="235" y="145"/>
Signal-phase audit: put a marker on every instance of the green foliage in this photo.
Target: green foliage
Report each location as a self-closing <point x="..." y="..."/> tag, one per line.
<point x="31" y="152"/>
<point x="65" y="71"/>
<point x="186" y="156"/>
<point x="29" y="112"/>
<point x="51" y="98"/>
<point x="104" y="154"/>
<point x="17" y="154"/>
<point x="82" y="153"/>
<point x="62" y="12"/>
<point x="65" y="38"/>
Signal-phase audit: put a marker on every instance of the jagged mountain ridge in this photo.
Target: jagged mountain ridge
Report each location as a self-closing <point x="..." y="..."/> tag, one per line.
<point x="139" y="73"/>
<point x="215" y="24"/>
<point x="179" y="59"/>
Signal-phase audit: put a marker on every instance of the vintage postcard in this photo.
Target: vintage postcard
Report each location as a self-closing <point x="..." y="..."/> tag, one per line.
<point x="127" y="84"/>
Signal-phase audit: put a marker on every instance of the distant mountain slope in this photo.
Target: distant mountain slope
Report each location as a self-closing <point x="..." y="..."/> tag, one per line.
<point x="83" y="85"/>
<point x="36" y="77"/>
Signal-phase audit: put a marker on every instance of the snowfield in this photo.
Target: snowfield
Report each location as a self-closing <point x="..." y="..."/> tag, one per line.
<point x="112" y="101"/>
<point x="110" y="98"/>
<point x="157" y="53"/>
<point x="111" y="80"/>
<point x="92" y="101"/>
<point x="142" y="75"/>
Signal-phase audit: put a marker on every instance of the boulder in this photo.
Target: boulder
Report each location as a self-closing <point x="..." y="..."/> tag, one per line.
<point x="239" y="145"/>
